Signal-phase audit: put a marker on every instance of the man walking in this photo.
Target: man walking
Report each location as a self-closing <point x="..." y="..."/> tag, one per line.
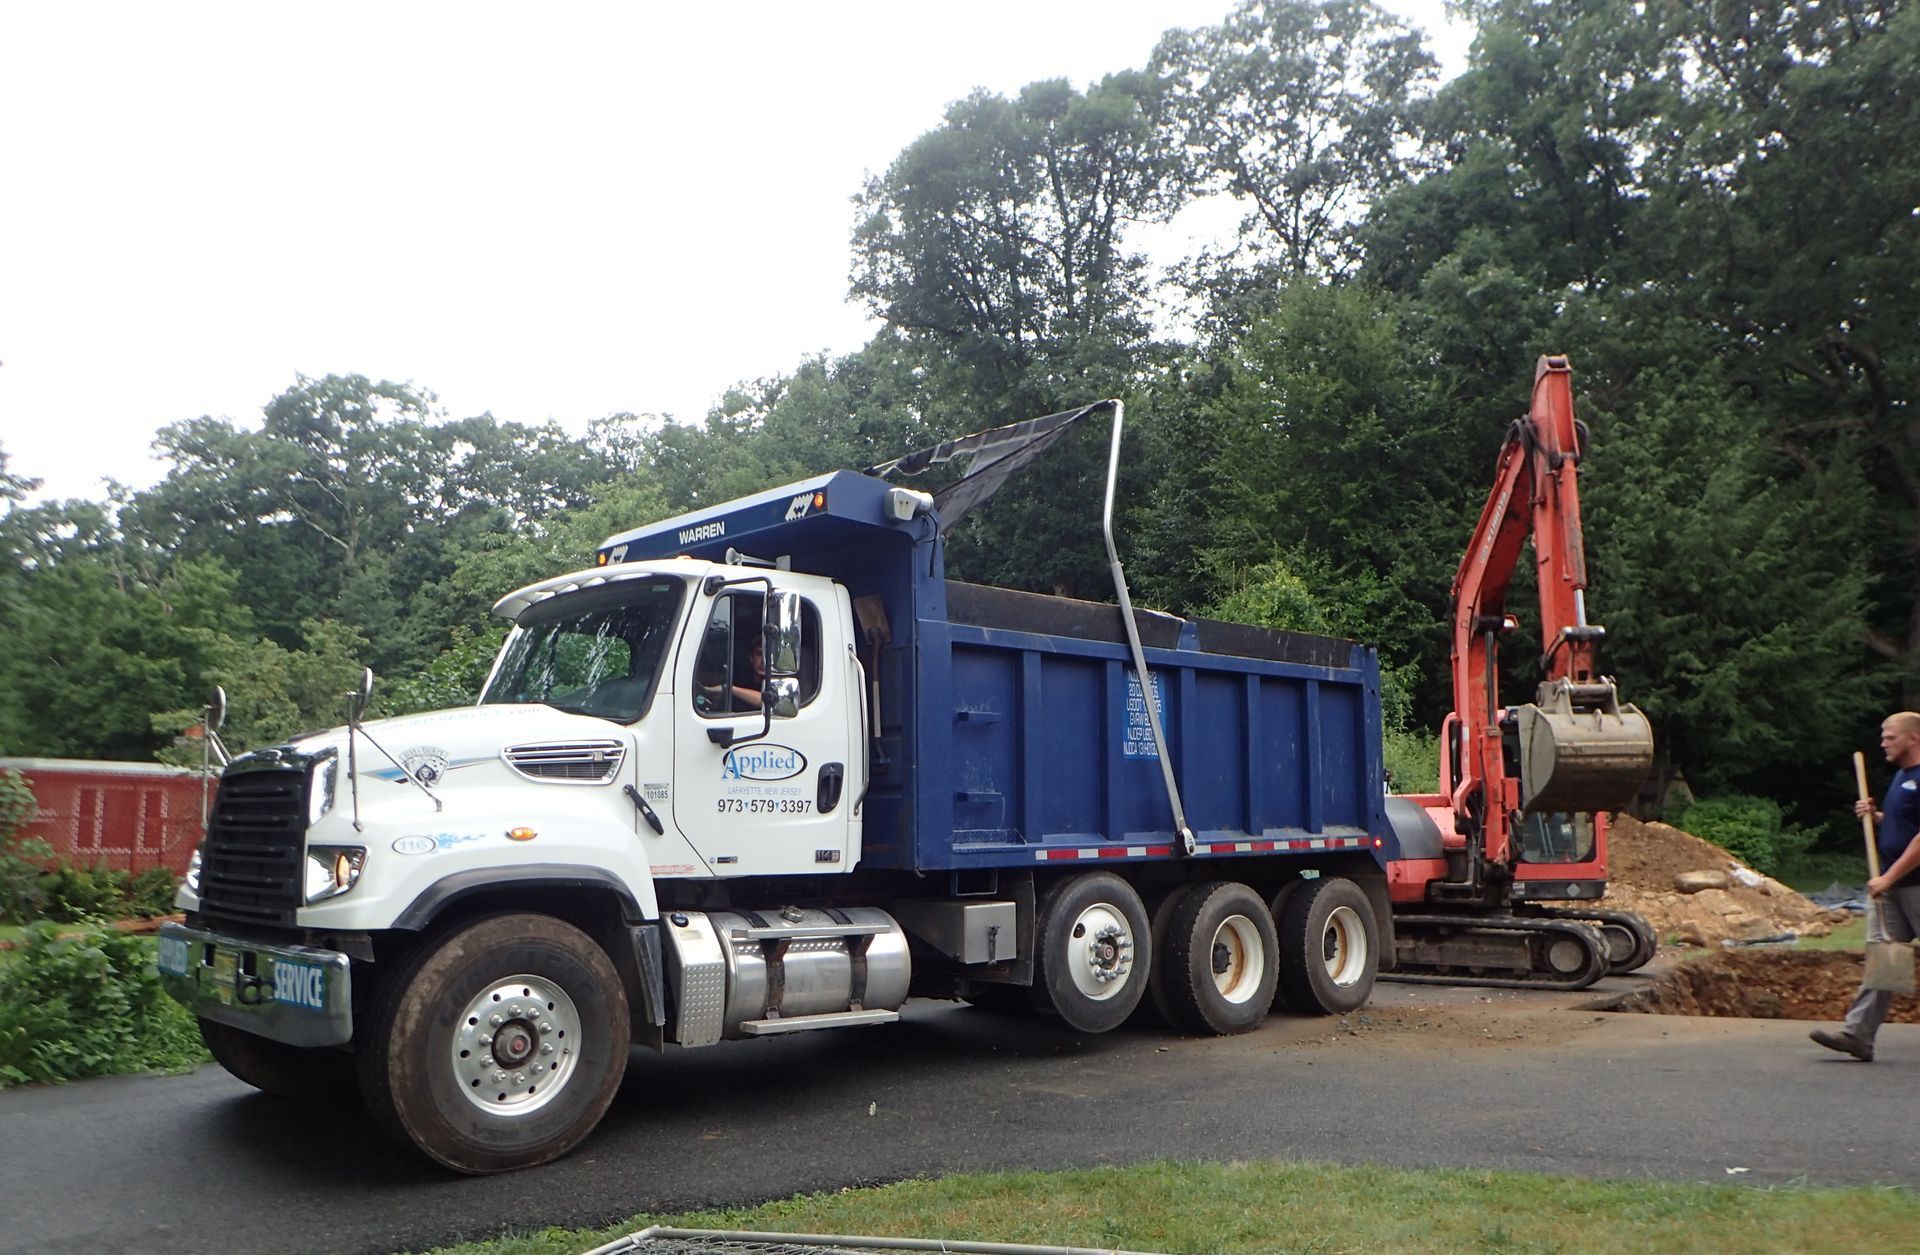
<point x="1896" y="890"/>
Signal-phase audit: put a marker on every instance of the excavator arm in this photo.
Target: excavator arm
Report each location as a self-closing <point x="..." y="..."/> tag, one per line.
<point x="1580" y="750"/>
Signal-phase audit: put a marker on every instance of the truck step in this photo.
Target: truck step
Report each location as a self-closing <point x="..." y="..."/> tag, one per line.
<point x="801" y="1023"/>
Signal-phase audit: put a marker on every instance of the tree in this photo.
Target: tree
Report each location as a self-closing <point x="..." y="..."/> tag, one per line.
<point x="997" y="239"/>
<point x="351" y="503"/>
<point x="1814" y="288"/>
<point x="1328" y="445"/>
<point x="1299" y="109"/>
<point x="1734" y="595"/>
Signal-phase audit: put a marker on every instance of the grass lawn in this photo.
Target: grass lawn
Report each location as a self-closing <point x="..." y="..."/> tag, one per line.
<point x="1273" y="1206"/>
<point x="1851" y="936"/>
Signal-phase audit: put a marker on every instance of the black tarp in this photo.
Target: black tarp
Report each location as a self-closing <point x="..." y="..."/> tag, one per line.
<point x="988" y="459"/>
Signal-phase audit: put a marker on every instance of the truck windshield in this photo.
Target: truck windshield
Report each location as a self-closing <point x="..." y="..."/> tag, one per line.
<point x="593" y="653"/>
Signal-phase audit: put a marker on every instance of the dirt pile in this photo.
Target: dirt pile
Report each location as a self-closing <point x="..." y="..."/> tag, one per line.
<point x="1645" y="859"/>
<point x="1766" y="984"/>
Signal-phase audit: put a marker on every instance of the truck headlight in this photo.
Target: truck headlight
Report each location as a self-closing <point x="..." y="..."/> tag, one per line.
<point x="322" y="779"/>
<point x="333" y="869"/>
<point x="193" y="869"/>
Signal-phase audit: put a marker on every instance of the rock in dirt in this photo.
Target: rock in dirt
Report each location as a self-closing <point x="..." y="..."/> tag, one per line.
<point x="1694" y="882"/>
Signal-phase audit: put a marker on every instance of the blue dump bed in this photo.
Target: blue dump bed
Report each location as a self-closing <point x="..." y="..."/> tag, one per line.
<point x="1013" y="731"/>
<point x="1033" y="742"/>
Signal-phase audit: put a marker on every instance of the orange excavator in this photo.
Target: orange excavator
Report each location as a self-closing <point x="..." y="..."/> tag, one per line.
<point x="1501" y="872"/>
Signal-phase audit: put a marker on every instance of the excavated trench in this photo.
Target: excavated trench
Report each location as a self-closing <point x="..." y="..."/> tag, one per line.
<point x="1763" y="984"/>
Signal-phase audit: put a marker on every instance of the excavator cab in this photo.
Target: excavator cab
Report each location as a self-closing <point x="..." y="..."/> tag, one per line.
<point x="1553" y="837"/>
<point x="1581" y="750"/>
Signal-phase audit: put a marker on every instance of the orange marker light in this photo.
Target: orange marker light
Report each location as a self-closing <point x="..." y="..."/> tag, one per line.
<point x="521" y="834"/>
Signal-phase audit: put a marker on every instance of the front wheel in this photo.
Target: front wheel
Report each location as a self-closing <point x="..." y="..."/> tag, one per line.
<point x="1095" y="950"/>
<point x="1329" y="952"/>
<point x="276" y="1068"/>
<point x="499" y="1047"/>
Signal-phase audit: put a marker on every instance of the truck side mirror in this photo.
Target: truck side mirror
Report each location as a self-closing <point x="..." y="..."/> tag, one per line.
<point x="780" y="633"/>
<point x="361" y="695"/>
<point x="781" y="697"/>
<point x="216" y="710"/>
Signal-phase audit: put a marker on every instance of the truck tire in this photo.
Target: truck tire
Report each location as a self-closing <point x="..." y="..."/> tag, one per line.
<point x="1156" y="1005"/>
<point x="1095" y="950"/>
<point x="1329" y="953"/>
<point x="276" y="1068"/>
<point x="1277" y="910"/>
<point x="1221" y="960"/>
<point x="498" y="1046"/>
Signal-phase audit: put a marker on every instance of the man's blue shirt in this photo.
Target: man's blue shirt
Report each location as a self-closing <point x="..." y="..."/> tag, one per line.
<point x="1899" y="820"/>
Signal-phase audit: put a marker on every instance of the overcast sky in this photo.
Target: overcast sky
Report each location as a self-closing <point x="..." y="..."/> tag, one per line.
<point x="555" y="211"/>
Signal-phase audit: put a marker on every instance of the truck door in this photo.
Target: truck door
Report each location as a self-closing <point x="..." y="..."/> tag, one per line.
<point x="778" y="804"/>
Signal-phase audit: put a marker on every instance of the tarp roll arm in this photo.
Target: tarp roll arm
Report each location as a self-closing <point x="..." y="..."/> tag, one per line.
<point x="1187" y="842"/>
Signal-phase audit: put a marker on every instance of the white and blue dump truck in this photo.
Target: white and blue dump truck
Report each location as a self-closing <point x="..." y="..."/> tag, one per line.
<point x="764" y="770"/>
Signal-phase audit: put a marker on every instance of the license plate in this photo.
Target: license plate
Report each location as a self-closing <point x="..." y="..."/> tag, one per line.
<point x="225" y="964"/>
<point x="173" y="956"/>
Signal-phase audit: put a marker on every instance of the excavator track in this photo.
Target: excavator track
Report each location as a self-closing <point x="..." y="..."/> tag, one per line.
<point x="1499" y="951"/>
<point x="1631" y="941"/>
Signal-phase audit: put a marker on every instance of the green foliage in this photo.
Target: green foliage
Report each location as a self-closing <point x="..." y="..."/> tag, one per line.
<point x="1301" y="109"/>
<point x="1750" y="828"/>
<point x="86" y="1002"/>
<point x="997" y="235"/>
<point x="17" y="804"/>
<point x="272" y="693"/>
<point x="75" y="893"/>
<point x="1734" y="592"/>
<point x="35" y="885"/>
<point x="1412" y="760"/>
<point x="150" y="893"/>
<point x="23" y="860"/>
<point x="1322" y="445"/>
<point x="454" y="678"/>
<point x="1272" y="595"/>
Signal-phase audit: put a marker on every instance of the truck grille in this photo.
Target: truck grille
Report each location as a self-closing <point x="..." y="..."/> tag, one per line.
<point x="577" y="762"/>
<point x="251" y="867"/>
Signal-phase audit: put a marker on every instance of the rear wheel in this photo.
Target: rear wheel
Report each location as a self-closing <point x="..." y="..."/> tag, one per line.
<point x="500" y="1046"/>
<point x="275" y="1068"/>
<point x="1329" y="954"/>
<point x="1156" y="1000"/>
<point x="1220" y="963"/>
<point x="1277" y="911"/>
<point x="1095" y="950"/>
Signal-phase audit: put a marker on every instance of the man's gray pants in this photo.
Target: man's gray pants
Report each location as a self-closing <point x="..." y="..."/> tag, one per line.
<point x="1896" y="917"/>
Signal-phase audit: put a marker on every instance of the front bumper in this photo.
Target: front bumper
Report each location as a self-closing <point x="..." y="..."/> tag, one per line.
<point x="298" y="995"/>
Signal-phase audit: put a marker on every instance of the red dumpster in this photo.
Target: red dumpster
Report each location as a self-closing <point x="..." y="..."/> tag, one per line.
<point x="129" y="816"/>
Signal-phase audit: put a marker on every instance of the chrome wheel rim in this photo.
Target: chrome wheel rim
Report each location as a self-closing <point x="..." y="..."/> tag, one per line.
<point x="1100" y="952"/>
<point x="516" y="1045"/>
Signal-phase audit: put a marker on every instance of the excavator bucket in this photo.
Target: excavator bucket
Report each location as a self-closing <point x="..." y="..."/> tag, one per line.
<point x="1581" y="750"/>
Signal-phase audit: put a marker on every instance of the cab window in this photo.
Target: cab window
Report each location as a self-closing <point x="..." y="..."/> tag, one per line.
<point x="729" y="671"/>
